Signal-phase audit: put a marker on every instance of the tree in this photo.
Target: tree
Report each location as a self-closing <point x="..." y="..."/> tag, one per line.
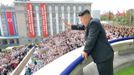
<point x="130" y="16"/>
<point x="125" y="18"/>
<point x="107" y="16"/>
<point x="104" y="17"/>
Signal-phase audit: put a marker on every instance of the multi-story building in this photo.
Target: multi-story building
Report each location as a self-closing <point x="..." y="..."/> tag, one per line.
<point x="8" y="27"/>
<point x="95" y="14"/>
<point x="36" y="20"/>
<point x="22" y="0"/>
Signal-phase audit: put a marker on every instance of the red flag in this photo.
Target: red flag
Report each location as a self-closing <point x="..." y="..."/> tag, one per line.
<point x="31" y="31"/>
<point x="10" y="23"/>
<point x="44" y="20"/>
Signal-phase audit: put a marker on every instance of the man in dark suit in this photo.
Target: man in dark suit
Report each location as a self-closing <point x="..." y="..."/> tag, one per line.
<point x="96" y="43"/>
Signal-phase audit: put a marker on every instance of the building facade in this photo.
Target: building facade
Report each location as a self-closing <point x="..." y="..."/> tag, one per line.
<point x="96" y="14"/>
<point x="8" y="27"/>
<point x="37" y="20"/>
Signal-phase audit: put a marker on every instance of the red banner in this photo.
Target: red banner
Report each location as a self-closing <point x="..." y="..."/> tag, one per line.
<point x="10" y="23"/>
<point x="31" y="31"/>
<point x="44" y="20"/>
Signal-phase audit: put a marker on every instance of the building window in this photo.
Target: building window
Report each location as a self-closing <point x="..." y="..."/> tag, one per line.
<point x="17" y="41"/>
<point x="11" y="41"/>
<point x="4" y="42"/>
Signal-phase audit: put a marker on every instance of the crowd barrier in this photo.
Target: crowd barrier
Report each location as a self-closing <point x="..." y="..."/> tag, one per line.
<point x="79" y="60"/>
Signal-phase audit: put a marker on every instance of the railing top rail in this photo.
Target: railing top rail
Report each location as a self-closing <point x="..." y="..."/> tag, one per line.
<point x="70" y="68"/>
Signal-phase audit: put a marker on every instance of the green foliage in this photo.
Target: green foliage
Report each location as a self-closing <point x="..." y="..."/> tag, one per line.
<point x="122" y="20"/>
<point x="128" y="19"/>
<point x="126" y="71"/>
<point x="107" y="16"/>
<point x="104" y="18"/>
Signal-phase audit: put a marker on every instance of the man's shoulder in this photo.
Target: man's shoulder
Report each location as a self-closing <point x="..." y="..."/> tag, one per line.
<point x="95" y="20"/>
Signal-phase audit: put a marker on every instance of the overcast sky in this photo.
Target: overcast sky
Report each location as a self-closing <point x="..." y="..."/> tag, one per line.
<point x="103" y="5"/>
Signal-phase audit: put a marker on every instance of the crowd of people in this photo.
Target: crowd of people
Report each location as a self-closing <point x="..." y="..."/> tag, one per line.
<point x="52" y="47"/>
<point x="9" y="59"/>
<point x="118" y="31"/>
<point x="55" y="46"/>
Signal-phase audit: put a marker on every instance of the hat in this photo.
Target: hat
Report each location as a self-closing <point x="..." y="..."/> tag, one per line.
<point x="84" y="12"/>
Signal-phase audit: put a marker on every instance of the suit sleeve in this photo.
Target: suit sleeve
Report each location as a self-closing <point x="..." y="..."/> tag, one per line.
<point x="91" y="38"/>
<point x="78" y="27"/>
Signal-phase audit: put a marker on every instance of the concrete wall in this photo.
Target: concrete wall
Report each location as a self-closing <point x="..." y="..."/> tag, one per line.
<point x="22" y="64"/>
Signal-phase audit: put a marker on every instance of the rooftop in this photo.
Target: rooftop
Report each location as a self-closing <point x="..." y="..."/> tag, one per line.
<point x="75" y="2"/>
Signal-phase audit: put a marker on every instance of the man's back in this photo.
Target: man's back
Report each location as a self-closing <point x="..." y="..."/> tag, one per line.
<point x="96" y="43"/>
<point x="101" y="49"/>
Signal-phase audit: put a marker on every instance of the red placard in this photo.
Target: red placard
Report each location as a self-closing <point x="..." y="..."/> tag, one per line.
<point x="44" y="20"/>
<point x="31" y="30"/>
<point x="10" y="23"/>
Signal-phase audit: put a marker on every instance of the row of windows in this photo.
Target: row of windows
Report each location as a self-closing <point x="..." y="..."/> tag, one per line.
<point x="9" y="41"/>
<point x="60" y="27"/>
<point x="54" y="8"/>
<point x="53" y="23"/>
<point x="67" y="13"/>
<point x="65" y="5"/>
<point x="54" y="18"/>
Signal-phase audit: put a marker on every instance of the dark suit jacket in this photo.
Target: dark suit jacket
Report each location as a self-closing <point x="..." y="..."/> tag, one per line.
<point x="96" y="43"/>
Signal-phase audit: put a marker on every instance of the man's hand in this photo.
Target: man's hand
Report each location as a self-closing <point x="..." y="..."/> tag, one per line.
<point x="85" y="55"/>
<point x="67" y="25"/>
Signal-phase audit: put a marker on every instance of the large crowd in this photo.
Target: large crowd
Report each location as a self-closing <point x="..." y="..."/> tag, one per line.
<point x="52" y="47"/>
<point x="9" y="59"/>
<point x="55" y="46"/>
<point x="118" y="31"/>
